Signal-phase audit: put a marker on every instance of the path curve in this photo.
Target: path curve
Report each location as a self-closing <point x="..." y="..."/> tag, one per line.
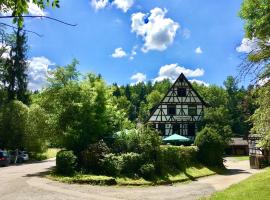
<point x="23" y="182"/>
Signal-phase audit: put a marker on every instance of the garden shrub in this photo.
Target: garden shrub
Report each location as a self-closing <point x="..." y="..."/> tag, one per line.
<point x="175" y="158"/>
<point x="147" y="171"/>
<point x="142" y="140"/>
<point x="211" y="147"/>
<point x="131" y="163"/>
<point x="111" y="164"/>
<point x="65" y="162"/>
<point x="92" y="156"/>
<point x="94" y="180"/>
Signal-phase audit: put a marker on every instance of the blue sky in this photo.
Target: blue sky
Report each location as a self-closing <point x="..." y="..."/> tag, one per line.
<point x="196" y="37"/>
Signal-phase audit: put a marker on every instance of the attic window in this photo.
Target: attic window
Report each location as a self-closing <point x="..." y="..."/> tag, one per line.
<point x="181" y="92"/>
<point x="171" y="110"/>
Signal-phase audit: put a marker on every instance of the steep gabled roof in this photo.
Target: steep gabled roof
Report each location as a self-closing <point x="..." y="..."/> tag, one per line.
<point x="180" y="78"/>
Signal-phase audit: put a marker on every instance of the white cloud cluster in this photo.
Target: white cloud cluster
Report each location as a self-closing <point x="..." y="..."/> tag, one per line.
<point x="138" y="78"/>
<point x="33" y="9"/>
<point x="247" y="45"/>
<point x="4" y="50"/>
<point x="119" y="53"/>
<point x="38" y="72"/>
<point x="199" y="82"/>
<point x="198" y="50"/>
<point x="157" y="31"/>
<point x="172" y="71"/>
<point x="124" y="5"/>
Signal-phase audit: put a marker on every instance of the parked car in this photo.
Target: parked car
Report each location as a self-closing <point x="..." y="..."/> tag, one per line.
<point x="4" y="158"/>
<point x="22" y="156"/>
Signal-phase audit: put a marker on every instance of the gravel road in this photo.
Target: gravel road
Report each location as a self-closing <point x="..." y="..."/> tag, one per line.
<point x="24" y="182"/>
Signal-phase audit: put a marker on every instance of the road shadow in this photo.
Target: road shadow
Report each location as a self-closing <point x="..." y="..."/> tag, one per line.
<point x="41" y="174"/>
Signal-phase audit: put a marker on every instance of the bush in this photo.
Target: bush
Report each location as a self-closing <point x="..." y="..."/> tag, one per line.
<point x="175" y="158"/>
<point x="131" y="163"/>
<point x="65" y="162"/>
<point x="211" y="147"/>
<point x="111" y="165"/>
<point x="147" y="171"/>
<point x="92" y="156"/>
<point x="142" y="140"/>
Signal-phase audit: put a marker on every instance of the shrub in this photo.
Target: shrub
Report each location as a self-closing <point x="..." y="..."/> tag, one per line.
<point x="147" y="171"/>
<point x="211" y="147"/>
<point x="111" y="164"/>
<point x="65" y="162"/>
<point x="171" y="158"/>
<point x="142" y="140"/>
<point x="131" y="163"/>
<point x="92" y="156"/>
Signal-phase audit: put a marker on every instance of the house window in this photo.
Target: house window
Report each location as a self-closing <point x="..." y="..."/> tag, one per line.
<point x="171" y="110"/>
<point x="192" y="110"/>
<point x="181" y="92"/>
<point x="191" y="129"/>
<point x="176" y="129"/>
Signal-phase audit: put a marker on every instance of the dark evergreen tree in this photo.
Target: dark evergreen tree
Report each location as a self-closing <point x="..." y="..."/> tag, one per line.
<point x="15" y="68"/>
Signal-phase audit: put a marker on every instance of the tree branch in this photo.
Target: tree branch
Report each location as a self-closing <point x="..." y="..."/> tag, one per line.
<point x="40" y="16"/>
<point x="14" y="27"/>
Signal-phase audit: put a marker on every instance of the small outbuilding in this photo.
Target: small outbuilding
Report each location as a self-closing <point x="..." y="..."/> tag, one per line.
<point x="238" y="146"/>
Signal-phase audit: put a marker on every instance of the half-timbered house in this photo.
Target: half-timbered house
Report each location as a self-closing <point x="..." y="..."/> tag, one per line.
<point x="180" y="111"/>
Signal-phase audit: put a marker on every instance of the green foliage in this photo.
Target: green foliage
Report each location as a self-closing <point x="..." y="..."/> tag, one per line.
<point x="81" y="111"/>
<point x="261" y="117"/>
<point x="36" y="130"/>
<point x="111" y="164"/>
<point x="65" y="162"/>
<point x="142" y="140"/>
<point x="257" y="27"/>
<point x="147" y="171"/>
<point x="13" y="120"/>
<point x="131" y="163"/>
<point x="19" y="8"/>
<point x="175" y="158"/>
<point x="91" y="158"/>
<point x="211" y="147"/>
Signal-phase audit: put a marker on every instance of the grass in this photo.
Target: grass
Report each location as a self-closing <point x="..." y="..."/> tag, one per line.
<point x="256" y="187"/>
<point x="190" y="174"/>
<point x="240" y="158"/>
<point x="50" y="153"/>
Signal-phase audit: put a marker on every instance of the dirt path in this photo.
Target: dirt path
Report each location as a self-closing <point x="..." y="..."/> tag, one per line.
<point x="24" y="183"/>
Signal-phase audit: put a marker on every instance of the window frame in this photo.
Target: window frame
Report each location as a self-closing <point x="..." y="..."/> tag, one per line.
<point x="192" y="107"/>
<point x="181" y="92"/>
<point x="171" y="107"/>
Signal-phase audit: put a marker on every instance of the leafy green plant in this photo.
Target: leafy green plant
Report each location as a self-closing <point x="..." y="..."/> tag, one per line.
<point x="65" y="162"/>
<point x="148" y="171"/>
<point x="211" y="147"/>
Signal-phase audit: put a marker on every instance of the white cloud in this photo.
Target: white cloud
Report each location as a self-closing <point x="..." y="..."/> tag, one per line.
<point x="38" y="72"/>
<point x="138" y="77"/>
<point x="247" y="45"/>
<point x="199" y="82"/>
<point x="198" y="50"/>
<point x="99" y="4"/>
<point x="133" y="52"/>
<point x="119" y="53"/>
<point x="33" y="9"/>
<point x="5" y="50"/>
<point x="124" y="5"/>
<point x="172" y="71"/>
<point x="157" y="31"/>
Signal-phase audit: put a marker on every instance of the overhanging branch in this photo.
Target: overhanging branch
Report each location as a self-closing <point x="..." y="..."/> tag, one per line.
<point x="14" y="27"/>
<point x="39" y="16"/>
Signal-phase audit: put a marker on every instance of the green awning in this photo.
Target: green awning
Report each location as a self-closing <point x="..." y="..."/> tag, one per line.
<point x="176" y="138"/>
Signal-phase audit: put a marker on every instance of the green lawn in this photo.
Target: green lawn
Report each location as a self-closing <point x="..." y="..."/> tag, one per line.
<point x="256" y="187"/>
<point x="239" y="158"/>
<point x="191" y="173"/>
